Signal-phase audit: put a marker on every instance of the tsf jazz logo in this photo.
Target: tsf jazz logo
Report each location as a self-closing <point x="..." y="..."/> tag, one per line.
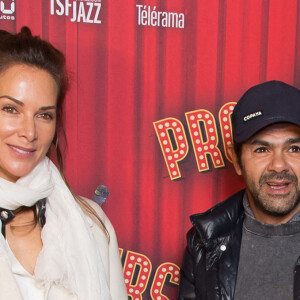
<point x="7" y="10"/>
<point x="79" y="11"/>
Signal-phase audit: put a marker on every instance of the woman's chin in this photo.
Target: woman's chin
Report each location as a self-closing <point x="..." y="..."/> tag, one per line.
<point x="14" y="174"/>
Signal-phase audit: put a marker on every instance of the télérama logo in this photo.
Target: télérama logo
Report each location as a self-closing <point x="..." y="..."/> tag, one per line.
<point x="7" y="10"/>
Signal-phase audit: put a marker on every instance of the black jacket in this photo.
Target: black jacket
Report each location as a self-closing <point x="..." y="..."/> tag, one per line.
<point x="211" y="259"/>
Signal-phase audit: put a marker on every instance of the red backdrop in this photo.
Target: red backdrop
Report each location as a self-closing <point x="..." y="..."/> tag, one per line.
<point x="130" y="69"/>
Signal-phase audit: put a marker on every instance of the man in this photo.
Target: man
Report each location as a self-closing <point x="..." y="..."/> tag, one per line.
<point x="248" y="247"/>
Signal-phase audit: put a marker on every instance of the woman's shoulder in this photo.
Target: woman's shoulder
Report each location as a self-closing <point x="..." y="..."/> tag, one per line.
<point x="100" y="213"/>
<point x="95" y="206"/>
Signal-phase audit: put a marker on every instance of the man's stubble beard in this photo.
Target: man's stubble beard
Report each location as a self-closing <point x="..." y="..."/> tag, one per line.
<point x="270" y="204"/>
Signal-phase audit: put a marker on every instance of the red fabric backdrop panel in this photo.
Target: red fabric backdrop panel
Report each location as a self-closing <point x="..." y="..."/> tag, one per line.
<point x="131" y="67"/>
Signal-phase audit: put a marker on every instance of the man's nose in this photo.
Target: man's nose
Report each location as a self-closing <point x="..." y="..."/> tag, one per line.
<point x="278" y="162"/>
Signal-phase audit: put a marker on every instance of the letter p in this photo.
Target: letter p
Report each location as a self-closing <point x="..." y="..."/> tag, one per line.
<point x="172" y="139"/>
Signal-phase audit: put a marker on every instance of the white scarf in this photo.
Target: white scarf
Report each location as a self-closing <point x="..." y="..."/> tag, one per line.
<point x="69" y="256"/>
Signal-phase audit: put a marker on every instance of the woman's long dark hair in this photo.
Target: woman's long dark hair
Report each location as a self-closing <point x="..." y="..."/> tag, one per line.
<point x="24" y="48"/>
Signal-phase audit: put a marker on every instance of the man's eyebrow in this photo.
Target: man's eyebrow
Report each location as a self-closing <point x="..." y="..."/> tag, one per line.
<point x="260" y="142"/>
<point x="265" y="143"/>
<point x="13" y="99"/>
<point x="293" y="140"/>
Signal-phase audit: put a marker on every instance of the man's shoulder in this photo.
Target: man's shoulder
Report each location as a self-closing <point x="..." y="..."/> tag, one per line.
<point x="221" y="218"/>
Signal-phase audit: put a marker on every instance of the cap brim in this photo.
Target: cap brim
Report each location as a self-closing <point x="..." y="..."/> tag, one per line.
<point x="245" y="135"/>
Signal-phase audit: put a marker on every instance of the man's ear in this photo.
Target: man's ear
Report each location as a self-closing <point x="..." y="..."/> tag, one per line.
<point x="235" y="160"/>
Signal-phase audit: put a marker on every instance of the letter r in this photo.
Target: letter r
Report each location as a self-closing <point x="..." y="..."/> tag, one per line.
<point x="204" y="139"/>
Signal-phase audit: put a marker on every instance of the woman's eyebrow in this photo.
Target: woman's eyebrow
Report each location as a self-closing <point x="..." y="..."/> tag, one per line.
<point x="48" y="107"/>
<point x="13" y="99"/>
<point x="22" y="104"/>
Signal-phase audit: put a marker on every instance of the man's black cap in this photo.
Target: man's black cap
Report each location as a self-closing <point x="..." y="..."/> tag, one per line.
<point x="262" y="105"/>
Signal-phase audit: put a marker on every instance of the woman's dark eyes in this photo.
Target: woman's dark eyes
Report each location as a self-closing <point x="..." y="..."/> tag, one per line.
<point x="10" y="109"/>
<point x="46" y="116"/>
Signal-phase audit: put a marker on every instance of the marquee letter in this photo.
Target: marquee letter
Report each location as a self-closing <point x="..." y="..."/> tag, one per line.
<point x="205" y="141"/>
<point x="172" y="139"/>
<point x="137" y="269"/>
<point x="160" y="278"/>
<point x="121" y="250"/>
<point x="225" y="125"/>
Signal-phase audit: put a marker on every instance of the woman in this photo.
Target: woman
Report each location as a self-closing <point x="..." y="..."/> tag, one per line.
<point x="54" y="244"/>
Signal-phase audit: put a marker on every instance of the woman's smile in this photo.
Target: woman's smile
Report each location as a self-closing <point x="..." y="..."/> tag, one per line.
<point x="21" y="151"/>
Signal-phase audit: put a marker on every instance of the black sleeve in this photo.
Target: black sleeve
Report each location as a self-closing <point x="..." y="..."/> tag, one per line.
<point x="192" y="257"/>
